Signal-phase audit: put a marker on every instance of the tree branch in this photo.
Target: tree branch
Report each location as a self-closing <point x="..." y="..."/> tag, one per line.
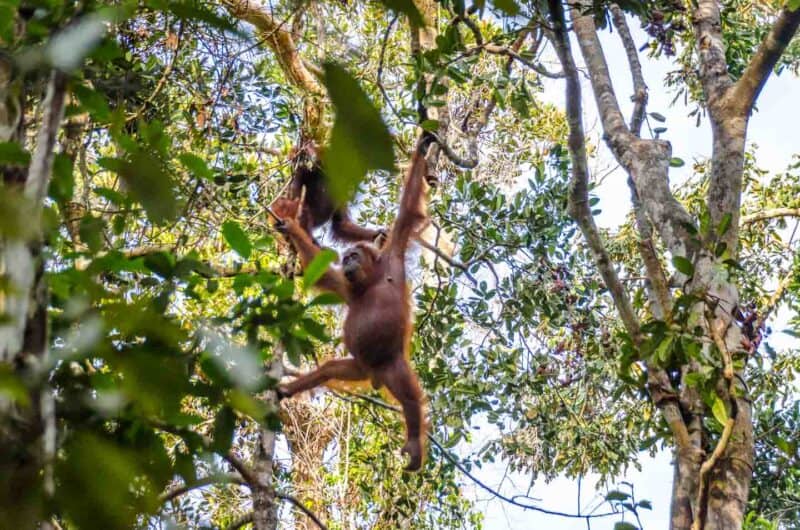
<point x="248" y="518"/>
<point x="617" y="133"/>
<point x="711" y="54"/>
<point x="660" y="388"/>
<point x="748" y="87"/>
<point x="579" y="184"/>
<point x="639" y="97"/>
<point x="244" y="471"/>
<point x="296" y="69"/>
<point x="770" y="214"/>
<point x="177" y="491"/>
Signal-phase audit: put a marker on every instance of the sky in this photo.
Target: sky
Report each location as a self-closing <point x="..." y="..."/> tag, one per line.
<point x="773" y="130"/>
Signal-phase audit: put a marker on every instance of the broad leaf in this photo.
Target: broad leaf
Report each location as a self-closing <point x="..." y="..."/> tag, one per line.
<point x="314" y="271"/>
<point x="683" y="265"/>
<point x="237" y="238"/>
<point x="360" y="141"/>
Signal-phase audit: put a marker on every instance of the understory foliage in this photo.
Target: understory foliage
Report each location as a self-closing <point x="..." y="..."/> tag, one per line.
<point x="169" y="299"/>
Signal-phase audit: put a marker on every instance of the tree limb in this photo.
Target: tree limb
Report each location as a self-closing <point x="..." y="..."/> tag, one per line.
<point x="639" y="97"/>
<point x="296" y="69"/>
<point x="177" y="491"/>
<point x="617" y="133"/>
<point x="770" y="214"/>
<point x="579" y="184"/>
<point x="711" y="54"/>
<point x="244" y="471"/>
<point x="660" y="388"/>
<point x="748" y="87"/>
<point x="248" y="518"/>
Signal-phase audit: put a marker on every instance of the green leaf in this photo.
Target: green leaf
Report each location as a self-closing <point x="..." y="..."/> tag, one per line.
<point x="724" y="224"/>
<point x="326" y="299"/>
<point x="663" y="350"/>
<point x="676" y="162"/>
<point x="91" y="232"/>
<point x="184" y="466"/>
<point x="11" y="387"/>
<point x="237" y="238"/>
<point x="314" y="271"/>
<point x="62" y="184"/>
<point x="647" y="505"/>
<point x="623" y="525"/>
<point x="509" y="7"/>
<point x="360" y="141"/>
<point x="69" y="47"/>
<point x="658" y="117"/>
<point x="407" y="8"/>
<point x="683" y="265"/>
<point x="94" y="103"/>
<point x="196" y="166"/>
<point x="616" y="495"/>
<point x="719" y="411"/>
<point x="224" y="425"/>
<point x="430" y="125"/>
<point x="13" y="153"/>
<point x="147" y="182"/>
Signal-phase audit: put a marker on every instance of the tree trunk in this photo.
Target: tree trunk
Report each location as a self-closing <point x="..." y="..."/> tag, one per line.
<point x="262" y="488"/>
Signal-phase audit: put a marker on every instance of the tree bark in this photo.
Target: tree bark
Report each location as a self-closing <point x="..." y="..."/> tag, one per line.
<point x="710" y="486"/>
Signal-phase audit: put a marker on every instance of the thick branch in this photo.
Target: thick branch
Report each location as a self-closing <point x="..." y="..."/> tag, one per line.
<point x="639" y="97"/>
<point x="747" y="89"/>
<point x="770" y="214"/>
<point x="711" y="54"/>
<point x="579" y="185"/>
<point x="618" y="135"/>
<point x="657" y="284"/>
<point x="661" y="390"/>
<point x="646" y="161"/>
<point x="296" y="69"/>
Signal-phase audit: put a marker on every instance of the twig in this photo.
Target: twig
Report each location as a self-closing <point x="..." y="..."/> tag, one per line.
<point x="450" y="261"/>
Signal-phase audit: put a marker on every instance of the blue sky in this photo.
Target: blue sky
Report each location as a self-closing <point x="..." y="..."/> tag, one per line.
<point x="773" y="130"/>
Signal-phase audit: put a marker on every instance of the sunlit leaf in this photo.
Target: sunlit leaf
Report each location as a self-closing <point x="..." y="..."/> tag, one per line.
<point x="237" y="238"/>
<point x="314" y="271"/>
<point x="360" y="141"/>
<point x="683" y="265"/>
<point x="719" y="410"/>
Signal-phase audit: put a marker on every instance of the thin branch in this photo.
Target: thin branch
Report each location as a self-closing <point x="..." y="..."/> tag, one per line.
<point x="748" y="87"/>
<point x="770" y="214"/>
<point x="162" y="81"/>
<point x="244" y="471"/>
<point x="177" y="491"/>
<point x="311" y="515"/>
<point x="248" y="518"/>
<point x="447" y="259"/>
<point x="639" y="97"/>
